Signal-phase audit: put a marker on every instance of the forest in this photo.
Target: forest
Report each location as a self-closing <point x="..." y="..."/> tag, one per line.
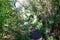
<point x="17" y="17"/>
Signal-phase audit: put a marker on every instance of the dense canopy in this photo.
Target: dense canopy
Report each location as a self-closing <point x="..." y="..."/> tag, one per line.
<point x="16" y="17"/>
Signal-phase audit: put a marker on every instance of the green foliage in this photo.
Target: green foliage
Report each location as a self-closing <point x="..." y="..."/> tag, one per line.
<point x="12" y="21"/>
